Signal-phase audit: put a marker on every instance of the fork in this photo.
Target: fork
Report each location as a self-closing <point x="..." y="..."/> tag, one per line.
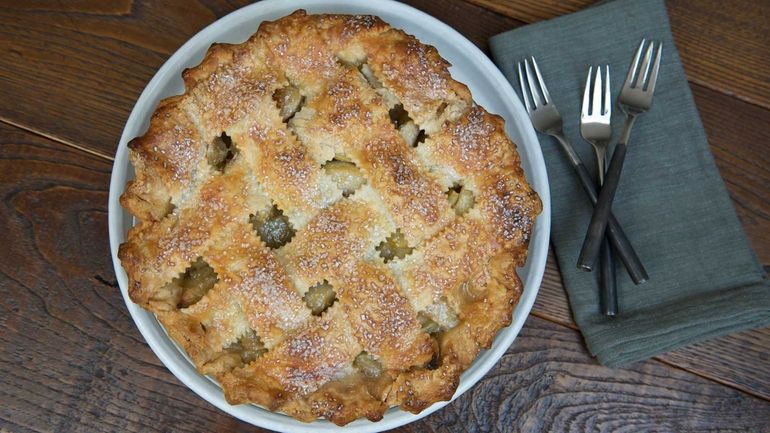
<point x="595" y="128"/>
<point x="546" y="119"/>
<point x="635" y="98"/>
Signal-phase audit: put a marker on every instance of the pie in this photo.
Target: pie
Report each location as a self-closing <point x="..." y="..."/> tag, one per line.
<point x="326" y="222"/>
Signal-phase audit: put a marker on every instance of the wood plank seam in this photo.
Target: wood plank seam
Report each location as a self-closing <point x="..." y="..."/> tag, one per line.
<point x="56" y="139"/>
<point x="712" y="379"/>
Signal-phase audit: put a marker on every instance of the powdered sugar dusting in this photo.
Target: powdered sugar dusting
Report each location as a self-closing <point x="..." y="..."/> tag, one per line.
<point x="316" y="354"/>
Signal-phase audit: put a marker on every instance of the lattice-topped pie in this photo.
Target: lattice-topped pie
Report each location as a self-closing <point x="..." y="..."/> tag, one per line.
<point x="326" y="222"/>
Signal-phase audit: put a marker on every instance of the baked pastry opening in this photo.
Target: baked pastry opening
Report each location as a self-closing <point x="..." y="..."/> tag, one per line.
<point x="249" y="347"/>
<point x="432" y="328"/>
<point x="221" y="152"/>
<point x="245" y="350"/>
<point x="345" y="173"/>
<point x="460" y="198"/>
<point x="273" y="227"/>
<point x="428" y="324"/>
<point x="442" y="314"/>
<point x="169" y="209"/>
<point x="412" y="134"/>
<point x="367" y="72"/>
<point x="289" y="101"/>
<point x="320" y="297"/>
<point x="409" y="130"/>
<point x="188" y="288"/>
<point x="394" y="246"/>
<point x="368" y="365"/>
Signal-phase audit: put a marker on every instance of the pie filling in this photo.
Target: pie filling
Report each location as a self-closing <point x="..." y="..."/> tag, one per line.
<point x="345" y="174"/>
<point x="394" y="247"/>
<point x="273" y="227"/>
<point x="221" y="152"/>
<point x="320" y="297"/>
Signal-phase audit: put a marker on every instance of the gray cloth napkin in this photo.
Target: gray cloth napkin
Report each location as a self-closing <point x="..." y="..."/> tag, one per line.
<point x="705" y="280"/>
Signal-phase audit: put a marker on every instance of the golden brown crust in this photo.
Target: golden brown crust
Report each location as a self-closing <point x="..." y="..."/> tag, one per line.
<point x="166" y="160"/>
<point x="393" y="333"/>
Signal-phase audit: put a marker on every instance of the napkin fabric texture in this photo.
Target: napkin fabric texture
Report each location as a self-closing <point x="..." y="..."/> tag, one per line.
<point x="705" y="281"/>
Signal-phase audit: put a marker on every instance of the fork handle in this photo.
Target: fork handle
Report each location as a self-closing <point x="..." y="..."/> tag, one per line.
<point x="615" y="233"/>
<point x="618" y="238"/>
<point x="609" y="286"/>
<point x="593" y="240"/>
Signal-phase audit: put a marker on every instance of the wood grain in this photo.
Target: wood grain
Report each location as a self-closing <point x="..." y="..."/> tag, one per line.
<point x="739" y="136"/>
<point x="71" y="358"/>
<point x="551" y="303"/>
<point x="476" y="23"/>
<point x="723" y="46"/>
<point x="530" y="11"/>
<point x="88" y="63"/>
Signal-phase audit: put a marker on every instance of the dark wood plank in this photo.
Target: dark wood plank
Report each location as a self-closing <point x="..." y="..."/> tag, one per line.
<point x="723" y="45"/>
<point x="530" y="11"/>
<point x="72" y="360"/>
<point x="740" y="140"/>
<point x="476" y="23"/>
<point x="75" y="69"/>
<point x="551" y="302"/>
<point x="739" y="360"/>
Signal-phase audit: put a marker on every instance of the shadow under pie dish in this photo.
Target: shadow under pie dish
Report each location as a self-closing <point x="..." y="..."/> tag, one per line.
<point x="325" y="221"/>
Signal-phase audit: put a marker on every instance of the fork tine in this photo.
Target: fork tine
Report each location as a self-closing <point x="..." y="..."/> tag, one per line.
<point x="596" y="109"/>
<point x="524" y="90"/>
<point x="607" y="96"/>
<point x="543" y="89"/>
<point x="632" y="70"/>
<point x="645" y="69"/>
<point x="587" y="93"/>
<point x="532" y="87"/>
<point x="655" y="68"/>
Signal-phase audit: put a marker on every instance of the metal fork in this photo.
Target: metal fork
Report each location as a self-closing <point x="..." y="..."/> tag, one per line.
<point x="635" y="99"/>
<point x="596" y="129"/>
<point x="546" y="119"/>
<point x="595" y="116"/>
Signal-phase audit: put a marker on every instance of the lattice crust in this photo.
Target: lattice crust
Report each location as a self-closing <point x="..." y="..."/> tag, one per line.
<point x="327" y="224"/>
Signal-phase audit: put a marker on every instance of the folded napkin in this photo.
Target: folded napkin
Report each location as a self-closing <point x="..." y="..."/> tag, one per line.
<point x="705" y="280"/>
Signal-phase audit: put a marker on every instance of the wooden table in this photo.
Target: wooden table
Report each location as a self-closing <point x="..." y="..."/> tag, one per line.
<point x="71" y="359"/>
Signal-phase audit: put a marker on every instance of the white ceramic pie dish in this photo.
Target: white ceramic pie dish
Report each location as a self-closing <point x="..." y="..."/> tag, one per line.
<point x="470" y="66"/>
